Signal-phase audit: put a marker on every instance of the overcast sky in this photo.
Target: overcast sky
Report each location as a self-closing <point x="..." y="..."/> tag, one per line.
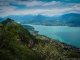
<point x="34" y="7"/>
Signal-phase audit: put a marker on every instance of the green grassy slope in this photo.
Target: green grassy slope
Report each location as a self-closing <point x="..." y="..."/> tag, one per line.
<point x="17" y="43"/>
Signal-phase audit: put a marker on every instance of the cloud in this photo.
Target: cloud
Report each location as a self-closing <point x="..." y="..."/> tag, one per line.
<point x="51" y="3"/>
<point x="36" y="7"/>
<point x="37" y="3"/>
<point x="76" y="5"/>
<point x="28" y="3"/>
<point x="6" y="2"/>
<point x="5" y="10"/>
<point x="39" y="11"/>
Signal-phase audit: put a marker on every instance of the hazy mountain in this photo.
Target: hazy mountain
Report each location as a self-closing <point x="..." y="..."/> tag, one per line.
<point x="38" y="18"/>
<point x="71" y="19"/>
<point x="19" y="18"/>
<point x="15" y="17"/>
<point x="27" y="17"/>
<point x="1" y="19"/>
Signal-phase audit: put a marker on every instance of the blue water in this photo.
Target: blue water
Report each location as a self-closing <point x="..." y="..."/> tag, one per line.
<point x="69" y="35"/>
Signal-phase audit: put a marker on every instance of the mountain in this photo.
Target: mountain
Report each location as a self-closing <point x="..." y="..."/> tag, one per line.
<point x="37" y="18"/>
<point x="17" y="43"/>
<point x="71" y="19"/>
<point x="9" y="23"/>
<point x="14" y="17"/>
<point x="19" y="18"/>
<point x="1" y="19"/>
<point x="27" y="17"/>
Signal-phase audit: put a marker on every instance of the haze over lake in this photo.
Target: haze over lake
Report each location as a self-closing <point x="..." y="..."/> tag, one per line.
<point x="69" y="35"/>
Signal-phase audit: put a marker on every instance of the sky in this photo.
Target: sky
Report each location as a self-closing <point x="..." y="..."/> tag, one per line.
<point x="35" y="7"/>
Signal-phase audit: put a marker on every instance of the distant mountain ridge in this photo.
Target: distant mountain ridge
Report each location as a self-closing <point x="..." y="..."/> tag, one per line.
<point x="19" y="18"/>
<point x="70" y="19"/>
<point x="1" y="19"/>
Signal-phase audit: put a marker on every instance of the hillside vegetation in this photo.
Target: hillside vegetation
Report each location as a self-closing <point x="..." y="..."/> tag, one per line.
<point x="17" y="43"/>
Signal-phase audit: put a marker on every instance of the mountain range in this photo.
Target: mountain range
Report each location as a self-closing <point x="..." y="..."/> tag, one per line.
<point x="70" y="19"/>
<point x="19" y="18"/>
<point x="1" y="19"/>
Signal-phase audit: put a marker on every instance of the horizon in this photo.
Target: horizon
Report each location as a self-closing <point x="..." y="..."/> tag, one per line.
<point x="37" y="15"/>
<point x="36" y="7"/>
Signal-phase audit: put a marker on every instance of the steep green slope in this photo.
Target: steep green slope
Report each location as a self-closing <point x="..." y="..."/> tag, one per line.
<point x="51" y="49"/>
<point x="15" y="42"/>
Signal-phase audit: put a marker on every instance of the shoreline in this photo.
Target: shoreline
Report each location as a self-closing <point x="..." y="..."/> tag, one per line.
<point x="33" y="32"/>
<point x="51" y="25"/>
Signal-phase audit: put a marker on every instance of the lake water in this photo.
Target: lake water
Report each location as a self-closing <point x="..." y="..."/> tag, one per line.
<point x="69" y="35"/>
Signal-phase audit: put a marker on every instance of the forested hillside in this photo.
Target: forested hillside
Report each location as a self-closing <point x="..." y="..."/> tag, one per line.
<point x="17" y="43"/>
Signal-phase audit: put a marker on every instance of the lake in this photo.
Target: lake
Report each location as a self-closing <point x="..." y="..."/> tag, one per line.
<point x="69" y="35"/>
